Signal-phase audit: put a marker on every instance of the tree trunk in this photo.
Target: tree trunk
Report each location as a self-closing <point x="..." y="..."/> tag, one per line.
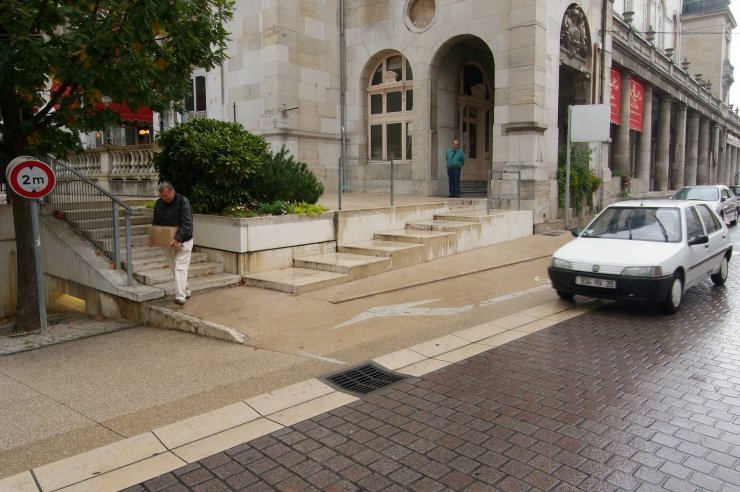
<point x="27" y="316"/>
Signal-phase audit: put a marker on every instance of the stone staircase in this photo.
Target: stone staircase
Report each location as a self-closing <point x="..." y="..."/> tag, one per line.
<point x="150" y="267"/>
<point x="419" y="241"/>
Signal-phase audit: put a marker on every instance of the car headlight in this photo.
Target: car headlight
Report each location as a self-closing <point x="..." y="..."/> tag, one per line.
<point x="564" y="264"/>
<point x="643" y="271"/>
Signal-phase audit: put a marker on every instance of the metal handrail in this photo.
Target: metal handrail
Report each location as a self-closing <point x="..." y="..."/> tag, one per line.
<point x="341" y="174"/>
<point x="93" y="212"/>
<point x="502" y="196"/>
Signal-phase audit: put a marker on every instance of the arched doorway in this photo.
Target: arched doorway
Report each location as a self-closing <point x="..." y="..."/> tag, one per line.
<point x="475" y="117"/>
<point x="574" y="80"/>
<point x="462" y="103"/>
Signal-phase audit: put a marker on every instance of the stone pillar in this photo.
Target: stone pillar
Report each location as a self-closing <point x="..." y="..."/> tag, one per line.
<point x="621" y="153"/>
<point x="734" y="165"/>
<point x="663" y="144"/>
<point x="715" y="165"/>
<point x="642" y="168"/>
<point x="679" y="151"/>
<point x="702" y="161"/>
<point x="692" y="149"/>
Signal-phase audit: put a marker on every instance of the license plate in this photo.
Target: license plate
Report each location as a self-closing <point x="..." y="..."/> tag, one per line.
<point x="597" y="282"/>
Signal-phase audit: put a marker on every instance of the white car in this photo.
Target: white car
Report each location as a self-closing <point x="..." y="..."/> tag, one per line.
<point x="646" y="251"/>
<point x="720" y="197"/>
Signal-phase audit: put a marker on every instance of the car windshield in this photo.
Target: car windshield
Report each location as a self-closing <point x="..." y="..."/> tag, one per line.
<point x="661" y="224"/>
<point x="708" y="193"/>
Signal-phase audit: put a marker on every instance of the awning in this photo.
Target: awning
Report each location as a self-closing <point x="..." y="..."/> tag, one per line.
<point x="141" y="115"/>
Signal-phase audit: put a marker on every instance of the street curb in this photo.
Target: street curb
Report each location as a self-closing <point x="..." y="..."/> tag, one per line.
<point x="160" y="317"/>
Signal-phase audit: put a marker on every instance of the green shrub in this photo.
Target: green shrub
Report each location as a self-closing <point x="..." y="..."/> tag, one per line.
<point x="583" y="181"/>
<point x="283" y="178"/>
<point x="213" y="163"/>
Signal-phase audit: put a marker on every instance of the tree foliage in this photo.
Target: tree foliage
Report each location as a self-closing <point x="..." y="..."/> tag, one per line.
<point x="211" y="162"/>
<point x="59" y="59"/>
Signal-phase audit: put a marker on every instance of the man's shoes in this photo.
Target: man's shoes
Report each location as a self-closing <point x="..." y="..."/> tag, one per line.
<point x="179" y="302"/>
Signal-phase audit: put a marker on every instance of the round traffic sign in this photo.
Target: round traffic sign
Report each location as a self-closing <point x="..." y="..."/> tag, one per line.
<point x="30" y="178"/>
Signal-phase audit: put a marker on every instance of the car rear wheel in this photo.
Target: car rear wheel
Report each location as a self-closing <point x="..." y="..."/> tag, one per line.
<point x="566" y="296"/>
<point x="675" y="295"/>
<point x="720" y="277"/>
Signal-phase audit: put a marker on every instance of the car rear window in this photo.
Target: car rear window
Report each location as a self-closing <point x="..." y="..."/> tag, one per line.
<point x="660" y="224"/>
<point x="709" y="193"/>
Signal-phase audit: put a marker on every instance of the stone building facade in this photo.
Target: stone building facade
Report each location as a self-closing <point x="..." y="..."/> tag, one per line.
<point x="381" y="80"/>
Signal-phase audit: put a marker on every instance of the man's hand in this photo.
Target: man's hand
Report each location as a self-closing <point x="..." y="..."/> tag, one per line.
<point x="175" y="244"/>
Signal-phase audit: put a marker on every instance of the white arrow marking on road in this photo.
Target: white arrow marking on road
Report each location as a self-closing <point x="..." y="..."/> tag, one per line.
<point x="407" y="309"/>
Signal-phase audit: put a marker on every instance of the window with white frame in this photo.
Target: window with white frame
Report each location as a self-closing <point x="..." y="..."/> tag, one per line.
<point x="390" y="102"/>
<point x="195" y="102"/>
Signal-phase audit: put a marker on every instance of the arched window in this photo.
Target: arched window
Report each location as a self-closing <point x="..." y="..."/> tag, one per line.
<point x="390" y="102"/>
<point x="661" y="27"/>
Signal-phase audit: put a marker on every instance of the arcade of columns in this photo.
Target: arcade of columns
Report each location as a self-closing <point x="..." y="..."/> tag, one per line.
<point x="699" y="150"/>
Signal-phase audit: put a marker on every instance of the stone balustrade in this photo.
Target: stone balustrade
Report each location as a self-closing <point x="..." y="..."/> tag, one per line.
<point x="124" y="171"/>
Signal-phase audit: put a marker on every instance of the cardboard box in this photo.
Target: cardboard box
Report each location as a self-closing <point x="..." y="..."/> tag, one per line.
<point x="161" y="236"/>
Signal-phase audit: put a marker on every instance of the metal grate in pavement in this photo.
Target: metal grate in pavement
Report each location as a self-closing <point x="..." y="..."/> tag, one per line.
<point x="554" y="233"/>
<point x="363" y="379"/>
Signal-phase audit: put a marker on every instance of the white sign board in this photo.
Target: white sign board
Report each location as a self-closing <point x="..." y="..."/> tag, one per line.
<point x="589" y="123"/>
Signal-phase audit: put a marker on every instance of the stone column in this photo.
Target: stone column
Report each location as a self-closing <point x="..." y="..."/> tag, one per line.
<point x="679" y="151"/>
<point x="716" y="163"/>
<point x="692" y="149"/>
<point x="702" y="162"/>
<point x="622" y="138"/>
<point x="663" y="144"/>
<point x="734" y="165"/>
<point x="642" y="168"/>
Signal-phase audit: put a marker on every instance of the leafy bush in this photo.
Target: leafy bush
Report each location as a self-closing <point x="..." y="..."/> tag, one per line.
<point x="213" y="163"/>
<point x="583" y="181"/>
<point x="283" y="178"/>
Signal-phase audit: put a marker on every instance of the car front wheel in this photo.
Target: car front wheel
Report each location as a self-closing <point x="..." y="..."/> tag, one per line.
<point x="720" y="277"/>
<point x="566" y="296"/>
<point x="675" y="295"/>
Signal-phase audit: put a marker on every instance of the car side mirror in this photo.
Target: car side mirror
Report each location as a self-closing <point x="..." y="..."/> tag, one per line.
<point x="702" y="239"/>
<point x="576" y="232"/>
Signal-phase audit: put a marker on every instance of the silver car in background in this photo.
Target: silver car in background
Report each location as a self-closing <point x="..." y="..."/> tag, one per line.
<point x="720" y="197"/>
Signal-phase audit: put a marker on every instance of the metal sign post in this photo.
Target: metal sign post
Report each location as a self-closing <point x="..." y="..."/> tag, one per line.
<point x="32" y="179"/>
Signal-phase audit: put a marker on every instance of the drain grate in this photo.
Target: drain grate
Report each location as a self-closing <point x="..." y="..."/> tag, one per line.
<point x="364" y="379"/>
<point x="554" y="233"/>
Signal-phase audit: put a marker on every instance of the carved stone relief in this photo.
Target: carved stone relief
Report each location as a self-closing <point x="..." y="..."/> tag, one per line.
<point x="574" y="37"/>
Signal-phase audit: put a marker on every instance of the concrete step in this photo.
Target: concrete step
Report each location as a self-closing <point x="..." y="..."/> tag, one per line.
<point x="353" y="265"/>
<point x="102" y="222"/>
<point x="160" y="261"/>
<point x="162" y="275"/>
<point x="438" y="243"/>
<point x="205" y="282"/>
<point x="145" y="252"/>
<point x="136" y="230"/>
<point x="444" y="225"/>
<point x="401" y="254"/>
<point x="295" y="280"/>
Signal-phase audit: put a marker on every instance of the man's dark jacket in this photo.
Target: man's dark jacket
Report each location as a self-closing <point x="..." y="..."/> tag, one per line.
<point x="177" y="213"/>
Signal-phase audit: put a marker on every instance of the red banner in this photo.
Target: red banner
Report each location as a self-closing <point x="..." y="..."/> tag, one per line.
<point x="637" y="99"/>
<point x="615" y="96"/>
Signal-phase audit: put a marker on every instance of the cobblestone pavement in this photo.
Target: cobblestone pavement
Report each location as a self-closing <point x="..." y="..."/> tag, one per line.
<point x="621" y="398"/>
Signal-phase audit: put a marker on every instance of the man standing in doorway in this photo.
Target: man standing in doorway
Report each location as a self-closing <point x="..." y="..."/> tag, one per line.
<point x="455" y="159"/>
<point x="173" y="209"/>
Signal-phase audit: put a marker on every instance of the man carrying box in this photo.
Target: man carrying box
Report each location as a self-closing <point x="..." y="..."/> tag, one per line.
<point x="173" y="210"/>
